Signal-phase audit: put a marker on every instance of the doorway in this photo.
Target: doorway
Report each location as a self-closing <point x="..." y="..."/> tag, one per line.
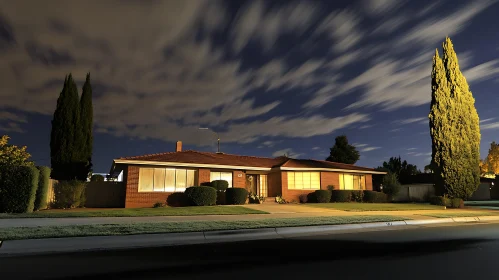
<point x="251" y="183"/>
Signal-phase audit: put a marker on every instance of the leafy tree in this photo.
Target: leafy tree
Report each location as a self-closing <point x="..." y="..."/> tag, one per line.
<point x="428" y="169"/>
<point x="491" y="163"/>
<point x="454" y="128"/>
<point x="97" y="178"/>
<point x="401" y="168"/>
<point x="13" y="155"/>
<point x="391" y="185"/>
<point x="65" y="150"/>
<point x="86" y="125"/>
<point x="343" y="152"/>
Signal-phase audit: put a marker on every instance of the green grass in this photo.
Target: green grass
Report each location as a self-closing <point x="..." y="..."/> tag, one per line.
<point x="138" y="212"/>
<point x="16" y="233"/>
<point x="352" y="206"/>
<point x="460" y="214"/>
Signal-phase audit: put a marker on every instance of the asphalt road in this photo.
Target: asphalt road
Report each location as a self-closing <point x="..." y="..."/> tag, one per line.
<point x="434" y="252"/>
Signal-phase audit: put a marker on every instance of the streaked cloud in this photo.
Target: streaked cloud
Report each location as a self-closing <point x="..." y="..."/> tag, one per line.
<point x="289" y="152"/>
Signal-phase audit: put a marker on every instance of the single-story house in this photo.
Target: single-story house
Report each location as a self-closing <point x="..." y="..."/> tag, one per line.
<point x="152" y="178"/>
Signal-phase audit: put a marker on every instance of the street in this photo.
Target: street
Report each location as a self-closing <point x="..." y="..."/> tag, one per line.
<point x="461" y="251"/>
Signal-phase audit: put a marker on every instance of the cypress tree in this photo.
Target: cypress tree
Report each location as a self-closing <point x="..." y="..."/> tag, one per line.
<point x="86" y="124"/>
<point x="454" y="128"/>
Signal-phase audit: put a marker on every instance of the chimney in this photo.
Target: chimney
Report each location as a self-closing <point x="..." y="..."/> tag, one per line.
<point x="178" y="148"/>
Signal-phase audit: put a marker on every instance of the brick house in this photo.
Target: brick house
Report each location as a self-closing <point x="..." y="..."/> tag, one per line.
<point x="152" y="178"/>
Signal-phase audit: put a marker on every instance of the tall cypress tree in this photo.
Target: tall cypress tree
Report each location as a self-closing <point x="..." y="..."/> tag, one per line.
<point x="454" y="128"/>
<point x="86" y="125"/>
<point x="63" y="151"/>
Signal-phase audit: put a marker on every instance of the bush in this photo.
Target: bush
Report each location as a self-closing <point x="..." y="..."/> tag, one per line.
<point x="43" y="188"/>
<point x="69" y="194"/>
<point x="158" y="205"/>
<point x="440" y="200"/>
<point x="357" y="196"/>
<point x="177" y="199"/>
<point x="220" y="185"/>
<point x="97" y="178"/>
<point x="311" y="198"/>
<point x="236" y="196"/>
<point x="18" y="185"/>
<point x="341" y="196"/>
<point x="303" y="198"/>
<point x="391" y="185"/>
<point x="221" y="198"/>
<point x="330" y="187"/>
<point x="375" y="197"/>
<point x="322" y="196"/>
<point x="456" y="203"/>
<point x="201" y="196"/>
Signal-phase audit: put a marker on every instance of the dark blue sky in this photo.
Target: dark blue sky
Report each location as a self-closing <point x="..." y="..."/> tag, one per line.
<point x="272" y="77"/>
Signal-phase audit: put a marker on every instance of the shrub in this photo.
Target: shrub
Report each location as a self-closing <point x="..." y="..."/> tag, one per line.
<point x="311" y="198"/>
<point x="357" y="196"/>
<point x="341" y="196"/>
<point x="303" y="198"/>
<point x="220" y="185"/>
<point x="280" y="200"/>
<point x="440" y="200"/>
<point x="205" y="184"/>
<point x="97" y="178"/>
<point x="375" y="197"/>
<point x="43" y="188"/>
<point x="236" y="196"/>
<point x="69" y="194"/>
<point x="257" y="199"/>
<point x="330" y="187"/>
<point x="456" y="203"/>
<point x="158" y="205"/>
<point x="201" y="196"/>
<point x="177" y="199"/>
<point x="391" y="185"/>
<point x="18" y="185"/>
<point x="322" y="196"/>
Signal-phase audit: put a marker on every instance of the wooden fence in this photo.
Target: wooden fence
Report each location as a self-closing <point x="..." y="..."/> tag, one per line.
<point x="98" y="194"/>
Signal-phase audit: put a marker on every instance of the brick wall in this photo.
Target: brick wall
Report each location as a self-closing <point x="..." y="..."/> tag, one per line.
<point x="291" y="195"/>
<point x="330" y="178"/>
<point x="134" y="199"/>
<point x="203" y="176"/>
<point x="369" y="182"/>
<point x="274" y="184"/>
<point x="238" y="182"/>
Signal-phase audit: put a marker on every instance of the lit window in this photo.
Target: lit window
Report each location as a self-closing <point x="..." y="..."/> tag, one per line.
<point x="165" y="179"/>
<point x="304" y="180"/>
<point x="146" y="179"/>
<point x="263" y="186"/>
<point x="352" y="182"/>
<point x="227" y="176"/>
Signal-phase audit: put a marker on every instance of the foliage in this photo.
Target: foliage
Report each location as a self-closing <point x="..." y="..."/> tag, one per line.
<point x="440" y="200"/>
<point x="456" y="203"/>
<point x="86" y="129"/>
<point x="491" y="163"/>
<point x="158" y="205"/>
<point x="403" y="169"/>
<point x="258" y="199"/>
<point x="391" y="185"/>
<point x="280" y="200"/>
<point x="322" y="196"/>
<point x="454" y="128"/>
<point x="201" y="196"/>
<point x="69" y="194"/>
<point x="236" y="196"/>
<point x="343" y="152"/>
<point x="97" y="178"/>
<point x="303" y="198"/>
<point x="341" y="196"/>
<point x="43" y="188"/>
<point x="330" y="187"/>
<point x="311" y="198"/>
<point x="18" y="185"/>
<point x="375" y="197"/>
<point x="357" y="196"/>
<point x="220" y="185"/>
<point x="177" y="199"/>
<point x="13" y="155"/>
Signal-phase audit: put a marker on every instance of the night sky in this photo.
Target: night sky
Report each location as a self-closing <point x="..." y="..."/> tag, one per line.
<point x="272" y="77"/>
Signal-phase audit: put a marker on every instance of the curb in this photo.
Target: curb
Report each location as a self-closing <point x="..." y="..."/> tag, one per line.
<point x="95" y="243"/>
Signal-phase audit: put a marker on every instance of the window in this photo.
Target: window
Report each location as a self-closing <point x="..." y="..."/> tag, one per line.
<point x="263" y="186"/>
<point x="227" y="176"/>
<point x="352" y="182"/>
<point x="304" y="180"/>
<point x="165" y="179"/>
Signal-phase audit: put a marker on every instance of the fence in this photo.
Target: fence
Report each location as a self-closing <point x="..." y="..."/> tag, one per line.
<point x="98" y="194"/>
<point x="416" y="193"/>
<point x="482" y="193"/>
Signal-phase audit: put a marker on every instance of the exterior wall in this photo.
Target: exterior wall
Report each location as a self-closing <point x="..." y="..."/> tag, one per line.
<point x="134" y="199"/>
<point x="291" y="195"/>
<point x="203" y="176"/>
<point x="369" y="182"/>
<point x="330" y="178"/>
<point x="274" y="184"/>
<point x="238" y="182"/>
<point x="105" y="195"/>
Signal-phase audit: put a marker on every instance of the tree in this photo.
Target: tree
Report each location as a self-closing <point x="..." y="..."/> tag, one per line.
<point x="65" y="151"/>
<point x="428" y="168"/>
<point x="454" y="128"/>
<point x="86" y="125"/>
<point x="13" y="155"/>
<point x="343" y="152"/>
<point x="491" y="163"/>
<point x="391" y="185"/>
<point x="402" y="169"/>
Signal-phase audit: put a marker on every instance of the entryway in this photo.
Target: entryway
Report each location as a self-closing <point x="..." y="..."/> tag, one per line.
<point x="257" y="184"/>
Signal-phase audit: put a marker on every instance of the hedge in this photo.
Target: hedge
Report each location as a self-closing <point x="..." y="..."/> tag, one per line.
<point x="201" y="196"/>
<point x="456" y="203"/>
<point x="322" y="196"/>
<point x="220" y="185"/>
<point x="375" y="197"/>
<point x="341" y="196"/>
<point x="357" y="196"/>
<point x="303" y="198"/>
<point x="440" y="200"/>
<point x="177" y="199"/>
<point x="69" y="194"/>
<point x="43" y="188"/>
<point x="236" y="196"/>
<point x="18" y="185"/>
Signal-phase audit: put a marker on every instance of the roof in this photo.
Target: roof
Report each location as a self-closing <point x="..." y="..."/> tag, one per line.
<point x="222" y="159"/>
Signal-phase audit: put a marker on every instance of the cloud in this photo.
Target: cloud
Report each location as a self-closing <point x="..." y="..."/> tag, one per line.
<point x="289" y="152"/>
<point x="343" y="27"/>
<point x="390" y="25"/>
<point x="493" y="125"/>
<point x="368" y="149"/>
<point x="316" y="148"/>
<point x="268" y="144"/>
<point x="481" y="121"/>
<point x="365" y="126"/>
<point x="8" y="116"/>
<point x="358" y="145"/>
<point x="395" y="129"/>
<point x="422" y="120"/>
<point x="420" y="154"/>
<point x="380" y="7"/>
<point x="12" y="127"/>
<point x="411" y="149"/>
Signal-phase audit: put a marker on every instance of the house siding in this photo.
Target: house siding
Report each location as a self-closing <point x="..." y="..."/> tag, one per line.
<point x="330" y="178"/>
<point x="274" y="184"/>
<point x="136" y="199"/>
<point x="203" y="176"/>
<point x="238" y="182"/>
<point x="369" y="182"/>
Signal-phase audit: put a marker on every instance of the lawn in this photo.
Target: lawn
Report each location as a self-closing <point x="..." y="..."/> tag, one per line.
<point x="169" y="227"/>
<point x="352" y="206"/>
<point x="460" y="214"/>
<point x="138" y="212"/>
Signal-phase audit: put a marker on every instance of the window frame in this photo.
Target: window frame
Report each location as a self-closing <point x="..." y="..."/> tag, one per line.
<point x="299" y="182"/>
<point x="167" y="188"/>
<point x="220" y="177"/>
<point x="361" y="181"/>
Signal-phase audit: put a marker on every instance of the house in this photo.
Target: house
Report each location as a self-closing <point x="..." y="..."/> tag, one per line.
<point x="152" y="178"/>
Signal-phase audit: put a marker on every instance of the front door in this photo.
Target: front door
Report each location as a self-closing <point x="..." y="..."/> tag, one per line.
<point x="251" y="183"/>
